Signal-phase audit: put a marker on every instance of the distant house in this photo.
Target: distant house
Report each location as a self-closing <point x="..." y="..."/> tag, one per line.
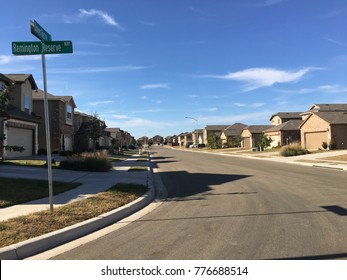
<point x="198" y="136"/>
<point x="250" y="135"/>
<point x="157" y="139"/>
<point x="18" y="121"/>
<point x="283" y="117"/>
<point x="231" y="136"/>
<point x="61" y="114"/>
<point x="185" y="139"/>
<point x="83" y="125"/>
<point x="214" y="130"/>
<point x="285" y="133"/>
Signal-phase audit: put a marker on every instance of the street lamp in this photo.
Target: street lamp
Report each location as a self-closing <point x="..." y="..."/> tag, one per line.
<point x="197" y="130"/>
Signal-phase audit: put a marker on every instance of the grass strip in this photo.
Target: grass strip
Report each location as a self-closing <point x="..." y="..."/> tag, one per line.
<point x="29" y="226"/>
<point x="16" y="191"/>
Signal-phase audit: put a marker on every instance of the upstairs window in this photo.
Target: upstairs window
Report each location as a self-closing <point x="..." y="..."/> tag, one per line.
<point x="69" y="114"/>
<point x="26" y="103"/>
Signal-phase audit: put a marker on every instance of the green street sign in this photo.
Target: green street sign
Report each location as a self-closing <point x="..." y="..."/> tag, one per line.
<point x="39" y="32"/>
<point x="26" y="48"/>
<point x="57" y="47"/>
<point x="47" y="47"/>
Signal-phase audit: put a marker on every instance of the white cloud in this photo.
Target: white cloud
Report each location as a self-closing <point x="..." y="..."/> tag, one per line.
<point x="212" y="109"/>
<point x="333" y="88"/>
<point x="87" y="70"/>
<point x="154" y="86"/>
<point x="264" y="77"/>
<point x="263" y="115"/>
<point x="104" y="16"/>
<point x="267" y="3"/>
<point x="253" y="105"/>
<point x="100" y="103"/>
<point x="120" y="117"/>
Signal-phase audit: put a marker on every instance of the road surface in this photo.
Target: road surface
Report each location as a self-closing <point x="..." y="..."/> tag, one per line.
<point x="221" y="207"/>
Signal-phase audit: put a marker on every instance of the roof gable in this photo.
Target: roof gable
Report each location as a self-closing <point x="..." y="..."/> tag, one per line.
<point x="21" y="78"/>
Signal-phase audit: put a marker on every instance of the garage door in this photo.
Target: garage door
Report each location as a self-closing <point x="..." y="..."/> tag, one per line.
<point x="20" y="137"/>
<point x="314" y="140"/>
<point x="276" y="140"/>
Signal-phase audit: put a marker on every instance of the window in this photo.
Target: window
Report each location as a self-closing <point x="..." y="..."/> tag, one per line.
<point x="26" y="103"/>
<point x="68" y="113"/>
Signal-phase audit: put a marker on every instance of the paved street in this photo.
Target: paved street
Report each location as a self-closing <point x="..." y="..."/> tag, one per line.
<point x="221" y="207"/>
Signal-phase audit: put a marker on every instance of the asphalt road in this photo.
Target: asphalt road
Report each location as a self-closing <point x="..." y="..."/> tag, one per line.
<point x="222" y="207"/>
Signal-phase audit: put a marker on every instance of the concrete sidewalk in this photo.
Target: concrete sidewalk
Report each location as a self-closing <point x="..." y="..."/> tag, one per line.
<point x="313" y="159"/>
<point x="92" y="183"/>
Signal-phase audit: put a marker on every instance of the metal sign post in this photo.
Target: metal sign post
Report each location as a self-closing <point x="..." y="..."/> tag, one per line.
<point x="46" y="46"/>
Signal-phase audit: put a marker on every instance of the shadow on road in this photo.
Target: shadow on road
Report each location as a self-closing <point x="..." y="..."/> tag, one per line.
<point x="181" y="184"/>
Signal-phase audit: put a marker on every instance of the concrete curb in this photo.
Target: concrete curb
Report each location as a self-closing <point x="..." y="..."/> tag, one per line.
<point x="50" y="240"/>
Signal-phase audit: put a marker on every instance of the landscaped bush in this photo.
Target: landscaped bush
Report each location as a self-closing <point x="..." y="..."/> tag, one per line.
<point x="97" y="162"/>
<point x="293" y="150"/>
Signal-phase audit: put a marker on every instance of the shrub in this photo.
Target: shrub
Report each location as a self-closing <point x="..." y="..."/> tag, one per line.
<point x="96" y="162"/>
<point x="293" y="150"/>
<point x="325" y="145"/>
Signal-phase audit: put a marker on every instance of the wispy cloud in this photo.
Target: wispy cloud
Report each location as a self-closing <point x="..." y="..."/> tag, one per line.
<point x="329" y="89"/>
<point x="154" y="86"/>
<point x="120" y="117"/>
<point x="336" y="42"/>
<point x="104" y="16"/>
<point x="90" y="70"/>
<point x="229" y="119"/>
<point x="268" y="3"/>
<point x="264" y="77"/>
<point x="97" y="103"/>
<point x="253" y="105"/>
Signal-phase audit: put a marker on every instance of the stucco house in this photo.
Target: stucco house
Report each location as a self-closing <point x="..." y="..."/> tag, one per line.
<point x="232" y="135"/>
<point x="328" y="127"/>
<point x="61" y="114"/>
<point x="324" y="123"/>
<point x="214" y="130"/>
<point x="19" y="123"/>
<point x="285" y="133"/>
<point x="250" y="135"/>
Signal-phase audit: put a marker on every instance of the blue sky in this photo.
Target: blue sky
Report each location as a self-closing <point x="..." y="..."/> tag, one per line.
<point x="144" y="66"/>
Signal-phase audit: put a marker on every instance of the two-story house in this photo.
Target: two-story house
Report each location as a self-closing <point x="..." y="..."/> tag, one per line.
<point x="285" y="128"/>
<point x="19" y="124"/>
<point x="61" y="113"/>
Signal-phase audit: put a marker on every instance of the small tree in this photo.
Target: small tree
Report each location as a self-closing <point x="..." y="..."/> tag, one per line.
<point x="96" y="129"/>
<point x="214" y="142"/>
<point x="264" y="142"/>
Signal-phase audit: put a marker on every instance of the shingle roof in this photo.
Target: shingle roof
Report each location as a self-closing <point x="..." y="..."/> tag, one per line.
<point x="328" y="108"/>
<point x="287" y="115"/>
<point x="258" y="128"/>
<point x="21" y="78"/>
<point x="38" y="95"/>
<point x="289" y="125"/>
<point x="216" y="127"/>
<point x="333" y="117"/>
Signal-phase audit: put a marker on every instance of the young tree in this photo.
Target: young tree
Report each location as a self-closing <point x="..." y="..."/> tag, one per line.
<point x="96" y="129"/>
<point x="214" y="142"/>
<point x="264" y="142"/>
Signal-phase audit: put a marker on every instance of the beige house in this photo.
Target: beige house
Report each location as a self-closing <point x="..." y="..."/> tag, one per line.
<point x="328" y="127"/>
<point x="231" y="136"/>
<point x="250" y="135"/>
<point x="20" y="124"/>
<point x="285" y="133"/>
<point x="213" y="130"/>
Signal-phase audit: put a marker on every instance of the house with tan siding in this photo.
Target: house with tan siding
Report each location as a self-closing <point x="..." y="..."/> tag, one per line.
<point x="250" y="135"/>
<point x="19" y="123"/>
<point x="328" y="127"/>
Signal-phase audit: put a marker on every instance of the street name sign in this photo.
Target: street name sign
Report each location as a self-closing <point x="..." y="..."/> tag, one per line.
<point x="39" y="32"/>
<point x="46" y="47"/>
